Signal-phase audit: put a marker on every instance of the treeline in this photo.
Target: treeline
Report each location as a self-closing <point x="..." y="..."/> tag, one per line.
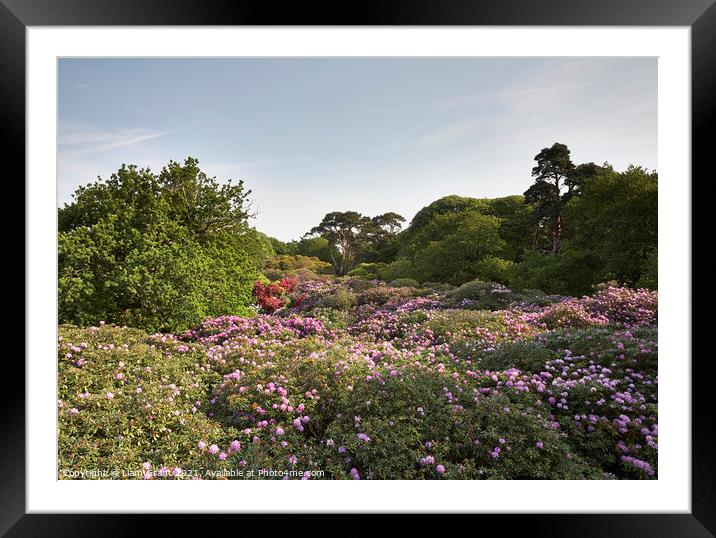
<point x="165" y="250"/>
<point x="576" y="226"/>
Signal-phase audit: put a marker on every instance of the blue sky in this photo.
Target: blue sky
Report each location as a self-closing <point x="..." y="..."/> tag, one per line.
<point x="310" y="136"/>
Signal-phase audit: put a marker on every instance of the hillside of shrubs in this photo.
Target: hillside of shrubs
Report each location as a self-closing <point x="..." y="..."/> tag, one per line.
<point x="511" y="338"/>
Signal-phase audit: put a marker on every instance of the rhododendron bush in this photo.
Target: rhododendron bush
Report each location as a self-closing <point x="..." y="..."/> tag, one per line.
<point x="383" y="383"/>
<point x="272" y="296"/>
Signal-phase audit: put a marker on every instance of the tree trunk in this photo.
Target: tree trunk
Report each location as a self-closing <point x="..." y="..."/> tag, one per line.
<point x="557" y="235"/>
<point x="336" y="266"/>
<point x="557" y="231"/>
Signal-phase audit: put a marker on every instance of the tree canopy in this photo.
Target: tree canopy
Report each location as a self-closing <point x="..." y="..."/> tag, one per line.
<point x="610" y="233"/>
<point x="161" y="251"/>
<point x="356" y="237"/>
<point x="557" y="180"/>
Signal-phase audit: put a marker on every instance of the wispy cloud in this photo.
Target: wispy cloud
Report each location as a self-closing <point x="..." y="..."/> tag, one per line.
<point x="232" y="168"/>
<point x="91" y="140"/>
<point x="526" y="88"/>
<point x="82" y="86"/>
<point x="451" y="132"/>
<point x="522" y="104"/>
<point x="480" y="99"/>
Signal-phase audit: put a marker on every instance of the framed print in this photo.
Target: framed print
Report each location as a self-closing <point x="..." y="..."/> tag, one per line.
<point x="425" y="259"/>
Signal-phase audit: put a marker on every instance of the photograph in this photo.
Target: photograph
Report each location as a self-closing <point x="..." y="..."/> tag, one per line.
<point x="358" y="268"/>
<point x="426" y="259"/>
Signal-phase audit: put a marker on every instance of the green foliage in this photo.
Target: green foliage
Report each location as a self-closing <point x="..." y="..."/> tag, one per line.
<point x="438" y="287"/>
<point x="148" y="417"/>
<point x="516" y="225"/>
<point x="448" y="323"/>
<point x="411" y="431"/>
<point x="368" y="271"/>
<point x="303" y="267"/>
<point x="381" y="237"/>
<point x="443" y="206"/>
<point x="456" y="239"/>
<point x="650" y="271"/>
<point x="494" y="269"/>
<point x="616" y="220"/>
<point x="199" y="203"/>
<point x="453" y="247"/>
<point x="557" y="181"/>
<point x="316" y="247"/>
<point x="571" y="271"/>
<point x="608" y="230"/>
<point x="382" y="294"/>
<point x="257" y="246"/>
<point x="341" y="299"/>
<point x="528" y="355"/>
<point x="354" y="237"/>
<point x="400" y="268"/>
<point x="358" y="284"/>
<point x="404" y="283"/>
<point x="156" y="251"/>
<point x="332" y="318"/>
<point x="158" y="285"/>
<point x="479" y="295"/>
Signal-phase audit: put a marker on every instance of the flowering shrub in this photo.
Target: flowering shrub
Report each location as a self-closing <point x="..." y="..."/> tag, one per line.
<point x="298" y="267"/>
<point x="403" y="384"/>
<point x="480" y="295"/>
<point x="272" y="296"/>
<point x="569" y="313"/>
<point x="624" y="305"/>
<point x="423" y="425"/>
<point x="608" y="305"/>
<point x="404" y="283"/>
<point x="383" y="294"/>
<point x="341" y="299"/>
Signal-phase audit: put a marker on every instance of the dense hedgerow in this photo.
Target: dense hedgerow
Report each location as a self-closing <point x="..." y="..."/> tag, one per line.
<point x="401" y="384"/>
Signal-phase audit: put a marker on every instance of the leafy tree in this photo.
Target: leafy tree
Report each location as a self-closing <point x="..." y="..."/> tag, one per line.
<point x="317" y="247"/>
<point x="387" y="223"/>
<point x="257" y="246"/>
<point x="515" y="224"/>
<point x="557" y="180"/>
<point x="455" y="239"/>
<point x="200" y="203"/>
<point x="402" y="267"/>
<point x="181" y="193"/>
<point x="454" y="248"/>
<point x="572" y="272"/>
<point x="343" y="230"/>
<point x="615" y="218"/>
<point x="442" y="206"/>
<point x="352" y="234"/>
<point x="159" y="251"/>
<point x="131" y="192"/>
<point x="280" y="247"/>
<point x="381" y="238"/>
<point x="650" y="271"/>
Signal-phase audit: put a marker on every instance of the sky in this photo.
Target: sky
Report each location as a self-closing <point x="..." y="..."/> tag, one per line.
<point x="313" y="135"/>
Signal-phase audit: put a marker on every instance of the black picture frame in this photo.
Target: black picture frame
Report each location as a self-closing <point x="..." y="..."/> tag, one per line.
<point x="16" y="15"/>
